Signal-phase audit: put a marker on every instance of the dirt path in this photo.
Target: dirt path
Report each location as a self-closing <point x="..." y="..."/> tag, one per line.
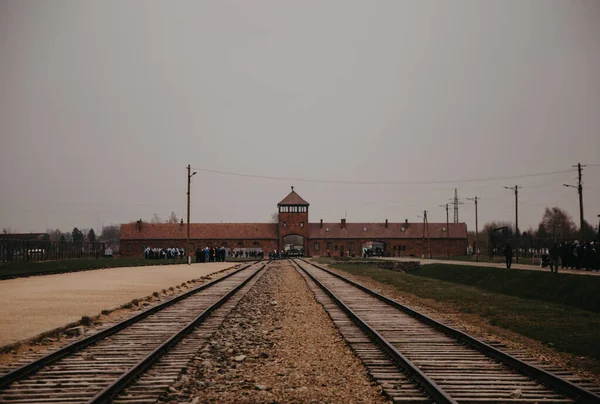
<point x="526" y="267"/>
<point x="278" y="345"/>
<point x="31" y="306"/>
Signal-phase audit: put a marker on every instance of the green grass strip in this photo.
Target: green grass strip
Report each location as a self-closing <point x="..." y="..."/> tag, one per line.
<point x="579" y="291"/>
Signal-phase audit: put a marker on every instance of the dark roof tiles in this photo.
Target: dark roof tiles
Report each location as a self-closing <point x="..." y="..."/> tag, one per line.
<point x="293" y="199"/>
<point x="205" y="231"/>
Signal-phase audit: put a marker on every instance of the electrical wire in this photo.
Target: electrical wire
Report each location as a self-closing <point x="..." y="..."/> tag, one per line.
<point x="267" y="177"/>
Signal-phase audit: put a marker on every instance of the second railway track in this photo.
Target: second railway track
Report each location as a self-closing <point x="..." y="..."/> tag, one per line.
<point x="135" y="360"/>
<point x="416" y="359"/>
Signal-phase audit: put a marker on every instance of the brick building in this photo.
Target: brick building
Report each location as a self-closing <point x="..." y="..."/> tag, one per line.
<point x="295" y="233"/>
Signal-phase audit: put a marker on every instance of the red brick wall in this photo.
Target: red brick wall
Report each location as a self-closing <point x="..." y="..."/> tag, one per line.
<point x="414" y="247"/>
<point x="293" y="223"/>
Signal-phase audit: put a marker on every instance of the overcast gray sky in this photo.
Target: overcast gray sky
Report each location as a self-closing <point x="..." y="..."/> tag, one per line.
<point x="104" y="103"/>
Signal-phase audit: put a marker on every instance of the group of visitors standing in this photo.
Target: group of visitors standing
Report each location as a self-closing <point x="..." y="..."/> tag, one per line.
<point x="212" y="254"/>
<point x="570" y="255"/>
<point x="163" y="253"/>
<point x="576" y="255"/>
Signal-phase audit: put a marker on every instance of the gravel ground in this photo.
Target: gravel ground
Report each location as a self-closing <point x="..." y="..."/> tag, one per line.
<point x="277" y="345"/>
<point x="31" y="306"/>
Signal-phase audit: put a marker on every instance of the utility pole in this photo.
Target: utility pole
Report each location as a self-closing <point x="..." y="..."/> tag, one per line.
<point x="579" y="188"/>
<point x="476" y="228"/>
<point x="447" y="231"/>
<point x="187" y="243"/>
<point x="426" y="229"/>
<point x="517" y="234"/>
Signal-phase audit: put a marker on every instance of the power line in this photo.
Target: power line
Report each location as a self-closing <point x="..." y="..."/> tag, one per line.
<point x="268" y="177"/>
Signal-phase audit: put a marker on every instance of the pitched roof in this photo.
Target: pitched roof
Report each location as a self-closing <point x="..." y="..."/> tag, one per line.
<point x="293" y="199"/>
<point x="378" y="230"/>
<point x="215" y="231"/>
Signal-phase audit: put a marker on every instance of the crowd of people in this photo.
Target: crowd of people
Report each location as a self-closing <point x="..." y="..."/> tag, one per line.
<point x="578" y="255"/>
<point x="568" y="254"/>
<point x="163" y="253"/>
<point x="218" y="254"/>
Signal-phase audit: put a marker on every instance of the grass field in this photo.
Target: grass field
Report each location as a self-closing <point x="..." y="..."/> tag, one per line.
<point x="565" y="327"/>
<point x="572" y="290"/>
<point x="21" y="268"/>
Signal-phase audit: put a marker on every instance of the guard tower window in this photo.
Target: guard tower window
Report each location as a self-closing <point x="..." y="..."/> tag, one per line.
<point x="284" y="224"/>
<point x="301" y="224"/>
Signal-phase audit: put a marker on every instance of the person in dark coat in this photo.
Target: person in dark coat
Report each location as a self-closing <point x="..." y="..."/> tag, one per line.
<point x="508" y="254"/>
<point x="198" y="254"/>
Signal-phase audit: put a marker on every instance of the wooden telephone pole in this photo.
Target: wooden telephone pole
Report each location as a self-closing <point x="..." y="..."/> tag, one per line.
<point x="187" y="241"/>
<point x="426" y="229"/>
<point x="579" y="188"/>
<point x="476" y="228"/>
<point x="517" y="234"/>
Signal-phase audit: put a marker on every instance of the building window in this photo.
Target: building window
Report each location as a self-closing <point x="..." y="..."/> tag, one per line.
<point x="255" y="244"/>
<point x="301" y="224"/>
<point x="240" y="243"/>
<point x="350" y="246"/>
<point x="128" y="247"/>
<point x="394" y="248"/>
<point x="336" y="247"/>
<point x="225" y="243"/>
<point x="316" y="246"/>
<point x="284" y="224"/>
<point x="329" y="246"/>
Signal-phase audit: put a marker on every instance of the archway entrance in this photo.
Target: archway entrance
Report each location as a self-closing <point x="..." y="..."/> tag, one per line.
<point x="293" y="245"/>
<point x="373" y="249"/>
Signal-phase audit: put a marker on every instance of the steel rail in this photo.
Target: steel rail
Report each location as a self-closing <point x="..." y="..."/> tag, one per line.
<point x="113" y="390"/>
<point x="36" y="365"/>
<point x="429" y="386"/>
<point x="579" y="394"/>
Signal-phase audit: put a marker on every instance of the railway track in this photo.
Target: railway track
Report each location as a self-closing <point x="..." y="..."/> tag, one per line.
<point x="136" y="360"/>
<point x="417" y="359"/>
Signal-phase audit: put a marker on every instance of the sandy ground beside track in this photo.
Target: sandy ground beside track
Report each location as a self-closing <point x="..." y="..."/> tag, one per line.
<point x="31" y="306"/>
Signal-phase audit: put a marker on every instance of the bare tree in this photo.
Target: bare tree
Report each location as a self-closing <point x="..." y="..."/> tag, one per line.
<point x="54" y="234"/>
<point x="172" y="218"/>
<point x="155" y="219"/>
<point x="274" y="217"/>
<point x="557" y="224"/>
<point x="111" y="233"/>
